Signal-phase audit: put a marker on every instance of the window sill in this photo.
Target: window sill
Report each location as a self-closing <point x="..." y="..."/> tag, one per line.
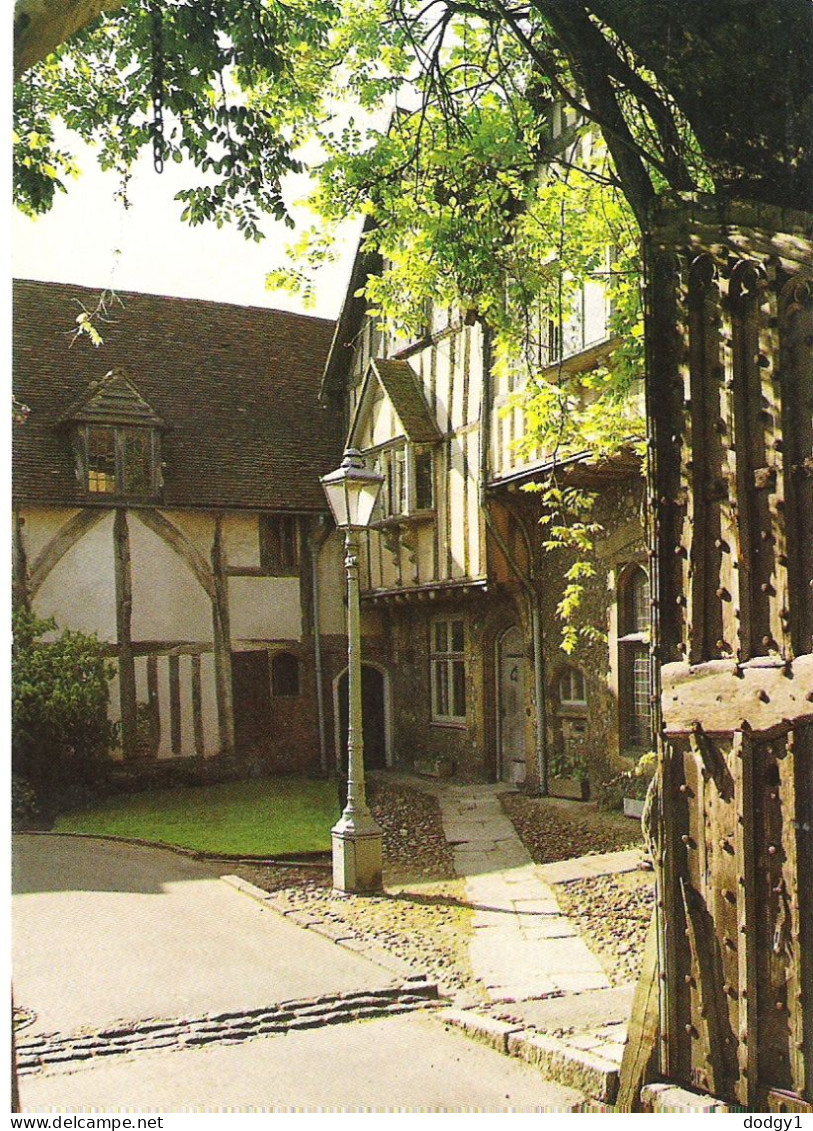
<point x="396" y="520"/>
<point x="449" y="724"/>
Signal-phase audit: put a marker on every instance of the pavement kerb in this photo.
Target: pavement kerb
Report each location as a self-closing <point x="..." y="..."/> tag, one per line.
<point x="588" y="1072"/>
<point x="306" y="860"/>
<point x="342" y="938"/>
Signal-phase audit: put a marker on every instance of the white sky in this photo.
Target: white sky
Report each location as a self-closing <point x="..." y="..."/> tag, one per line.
<point x="90" y="238"/>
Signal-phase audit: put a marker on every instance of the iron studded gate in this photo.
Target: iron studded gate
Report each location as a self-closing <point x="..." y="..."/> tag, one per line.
<point x="731" y="391"/>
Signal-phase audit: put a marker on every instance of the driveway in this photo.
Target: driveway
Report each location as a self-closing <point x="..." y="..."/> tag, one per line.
<point x="127" y="950"/>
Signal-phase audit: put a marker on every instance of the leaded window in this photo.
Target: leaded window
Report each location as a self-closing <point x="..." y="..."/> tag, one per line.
<point x="448" y="670"/>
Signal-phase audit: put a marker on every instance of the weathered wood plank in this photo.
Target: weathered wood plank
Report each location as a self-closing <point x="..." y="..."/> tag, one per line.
<point x="639" y="1061"/>
<point x="721" y="696"/>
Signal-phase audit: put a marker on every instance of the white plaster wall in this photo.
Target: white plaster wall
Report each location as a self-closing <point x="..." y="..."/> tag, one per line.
<point x="198" y="527"/>
<point x="40" y="524"/>
<point x="443" y="389"/>
<point x="473" y="549"/>
<point x="265" y="608"/>
<point x="242" y="540"/>
<point x="457" y="501"/>
<point x="331" y="586"/>
<point x="208" y="694"/>
<point x="168" y="601"/>
<point x="187" y="716"/>
<point x="165" y="744"/>
<point x="80" y="591"/>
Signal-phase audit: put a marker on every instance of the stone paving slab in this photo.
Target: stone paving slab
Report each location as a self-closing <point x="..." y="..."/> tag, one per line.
<point x="587" y="867"/>
<point x="523" y="946"/>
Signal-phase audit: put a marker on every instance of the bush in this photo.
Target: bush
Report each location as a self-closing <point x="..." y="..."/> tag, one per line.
<point x="60" y="695"/>
<point x="24" y="804"/>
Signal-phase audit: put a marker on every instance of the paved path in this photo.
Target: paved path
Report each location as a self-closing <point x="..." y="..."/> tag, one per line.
<point x="523" y="946"/>
<point x="155" y="986"/>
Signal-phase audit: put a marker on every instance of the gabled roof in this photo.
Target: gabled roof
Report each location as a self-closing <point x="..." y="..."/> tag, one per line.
<point x="236" y="387"/>
<point x="403" y="386"/>
<point x="112" y="400"/>
<point x="350" y="318"/>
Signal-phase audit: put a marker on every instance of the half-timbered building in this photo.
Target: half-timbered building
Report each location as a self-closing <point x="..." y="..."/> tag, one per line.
<point x="166" y="497"/>
<point x="462" y="641"/>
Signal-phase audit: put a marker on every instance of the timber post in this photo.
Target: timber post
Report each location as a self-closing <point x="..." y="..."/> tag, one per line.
<point x="731" y="375"/>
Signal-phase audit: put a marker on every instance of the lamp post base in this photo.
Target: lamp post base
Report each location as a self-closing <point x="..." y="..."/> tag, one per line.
<point x="358" y="860"/>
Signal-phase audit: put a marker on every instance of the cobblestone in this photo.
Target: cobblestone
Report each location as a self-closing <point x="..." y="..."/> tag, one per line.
<point x="128" y="1037"/>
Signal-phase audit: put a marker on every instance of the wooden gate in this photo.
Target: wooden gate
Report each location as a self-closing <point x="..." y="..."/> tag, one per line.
<point x="731" y="378"/>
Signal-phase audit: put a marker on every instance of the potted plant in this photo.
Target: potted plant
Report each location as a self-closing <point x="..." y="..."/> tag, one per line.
<point x="567" y="776"/>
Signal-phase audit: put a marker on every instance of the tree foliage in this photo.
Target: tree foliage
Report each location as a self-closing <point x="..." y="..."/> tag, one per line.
<point x="432" y="118"/>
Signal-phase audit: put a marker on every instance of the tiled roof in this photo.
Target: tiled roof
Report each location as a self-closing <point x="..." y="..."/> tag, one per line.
<point x="403" y="386"/>
<point x="236" y="388"/>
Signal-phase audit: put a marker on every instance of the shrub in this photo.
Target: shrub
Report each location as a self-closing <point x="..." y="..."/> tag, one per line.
<point x="632" y="783"/>
<point x="24" y="804"/>
<point x="60" y="687"/>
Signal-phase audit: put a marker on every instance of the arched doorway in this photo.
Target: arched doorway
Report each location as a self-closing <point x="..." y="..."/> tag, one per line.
<point x="511" y="664"/>
<point x="374" y="717"/>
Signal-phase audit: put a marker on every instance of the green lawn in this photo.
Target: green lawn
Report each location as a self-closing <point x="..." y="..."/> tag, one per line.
<point x="271" y="817"/>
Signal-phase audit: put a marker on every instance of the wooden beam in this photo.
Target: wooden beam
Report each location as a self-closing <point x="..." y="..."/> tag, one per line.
<point x="57" y="547"/>
<point x="124" y="612"/>
<point x="222" y="640"/>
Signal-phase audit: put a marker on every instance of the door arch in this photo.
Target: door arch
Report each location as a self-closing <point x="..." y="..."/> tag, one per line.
<point x="511" y="673"/>
<point x="375" y="706"/>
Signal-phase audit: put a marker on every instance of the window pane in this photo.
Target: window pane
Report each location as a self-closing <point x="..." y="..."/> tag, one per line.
<point x="639" y="721"/>
<point x="441" y="688"/>
<point x="424" y="482"/>
<point x="441" y="636"/>
<point x="400" y="483"/>
<point x="137" y="456"/>
<point x="458" y="689"/>
<point x="102" y="460"/>
<point x="637" y="619"/>
<point x="458" y="636"/>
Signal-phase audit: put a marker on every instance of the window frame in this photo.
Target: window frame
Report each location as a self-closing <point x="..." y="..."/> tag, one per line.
<point x="448" y="660"/>
<point x="398" y="463"/>
<point x="275" y="560"/>
<point x="633" y="648"/>
<point x="121" y="462"/>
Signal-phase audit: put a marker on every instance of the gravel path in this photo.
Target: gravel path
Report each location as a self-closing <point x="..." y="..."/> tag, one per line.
<point x="612" y="914"/>
<point x="552" y="829"/>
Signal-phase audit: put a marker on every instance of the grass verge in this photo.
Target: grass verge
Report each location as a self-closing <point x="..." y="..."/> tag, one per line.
<point x="268" y="817"/>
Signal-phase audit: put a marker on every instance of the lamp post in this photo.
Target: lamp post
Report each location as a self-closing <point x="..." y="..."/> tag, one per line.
<point x="351" y="492"/>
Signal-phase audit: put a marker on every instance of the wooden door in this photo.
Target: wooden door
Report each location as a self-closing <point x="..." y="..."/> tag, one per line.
<point x="731" y="379"/>
<point x="373" y="728"/>
<point x="511" y="695"/>
<point x="251" y="698"/>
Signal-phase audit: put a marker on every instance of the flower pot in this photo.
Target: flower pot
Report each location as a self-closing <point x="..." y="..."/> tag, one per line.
<point x="633" y="807"/>
<point x="576" y="789"/>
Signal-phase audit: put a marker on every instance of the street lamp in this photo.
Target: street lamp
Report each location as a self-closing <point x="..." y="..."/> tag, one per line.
<point x="351" y="492"/>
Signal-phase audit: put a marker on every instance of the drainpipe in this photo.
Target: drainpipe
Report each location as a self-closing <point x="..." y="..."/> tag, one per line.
<point x="541" y="739"/>
<point x="316" y="540"/>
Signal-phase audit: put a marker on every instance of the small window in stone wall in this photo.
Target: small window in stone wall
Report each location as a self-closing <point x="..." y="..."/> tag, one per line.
<point x="284" y="675"/>
<point x="633" y="659"/>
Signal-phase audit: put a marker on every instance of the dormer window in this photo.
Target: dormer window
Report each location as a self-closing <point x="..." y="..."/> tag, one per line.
<point x="117" y="440"/>
<point x="121" y="460"/>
